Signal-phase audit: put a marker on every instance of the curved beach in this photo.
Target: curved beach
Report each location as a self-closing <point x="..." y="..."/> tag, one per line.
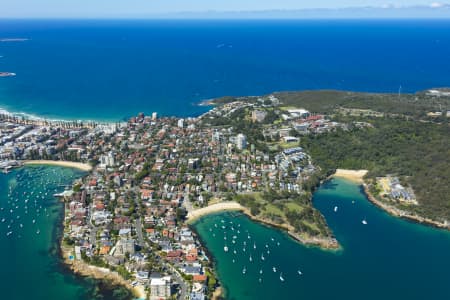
<point x="352" y="175"/>
<point x="69" y="164"/>
<point x="218" y="207"/>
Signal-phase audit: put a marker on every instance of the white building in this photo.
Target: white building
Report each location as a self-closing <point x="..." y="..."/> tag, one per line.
<point x="160" y="288"/>
<point x="180" y="123"/>
<point x="154" y="116"/>
<point x="241" y="141"/>
<point x="107" y="160"/>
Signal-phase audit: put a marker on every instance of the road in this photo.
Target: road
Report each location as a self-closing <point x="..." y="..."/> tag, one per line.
<point x="93" y="228"/>
<point x="139" y="233"/>
<point x="180" y="281"/>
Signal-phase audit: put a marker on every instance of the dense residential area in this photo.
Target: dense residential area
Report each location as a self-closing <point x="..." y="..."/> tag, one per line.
<point x="129" y="214"/>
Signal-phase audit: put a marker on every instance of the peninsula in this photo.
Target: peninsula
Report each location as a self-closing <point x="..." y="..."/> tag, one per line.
<point x="148" y="177"/>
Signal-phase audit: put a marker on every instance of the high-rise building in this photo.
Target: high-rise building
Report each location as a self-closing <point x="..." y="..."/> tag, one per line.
<point x="241" y="141"/>
<point x="154" y="116"/>
<point x="181" y="123"/>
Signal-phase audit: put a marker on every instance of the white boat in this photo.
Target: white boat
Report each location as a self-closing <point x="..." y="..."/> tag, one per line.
<point x="335" y="209"/>
<point x="281" y="277"/>
<point x="274" y="269"/>
<point x="260" y="271"/>
<point x="262" y="257"/>
<point x="299" y="272"/>
<point x="244" y="270"/>
<point x="225" y="249"/>
<point x="250" y="258"/>
<point x="254" y="246"/>
<point x="364" y="221"/>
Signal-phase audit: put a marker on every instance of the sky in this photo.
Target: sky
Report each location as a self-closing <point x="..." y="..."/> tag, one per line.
<point x="139" y="8"/>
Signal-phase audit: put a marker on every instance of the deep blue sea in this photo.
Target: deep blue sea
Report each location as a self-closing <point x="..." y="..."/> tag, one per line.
<point x="109" y="70"/>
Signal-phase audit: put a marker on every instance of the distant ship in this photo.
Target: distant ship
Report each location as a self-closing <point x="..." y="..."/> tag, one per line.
<point x="7" y="74"/>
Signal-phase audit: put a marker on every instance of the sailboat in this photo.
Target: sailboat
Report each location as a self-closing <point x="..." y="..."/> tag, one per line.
<point x="262" y="257"/>
<point x="335" y="209"/>
<point x="299" y="272"/>
<point x="281" y="276"/>
<point x="364" y="221"/>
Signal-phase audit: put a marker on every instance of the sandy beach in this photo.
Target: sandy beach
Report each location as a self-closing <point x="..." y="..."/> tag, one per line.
<point x="69" y="164"/>
<point x="218" y="207"/>
<point x="353" y="175"/>
<point x="217" y="293"/>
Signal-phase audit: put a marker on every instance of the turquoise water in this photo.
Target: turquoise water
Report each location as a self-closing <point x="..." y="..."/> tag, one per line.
<point x="388" y="258"/>
<point x="112" y="69"/>
<point x="29" y="257"/>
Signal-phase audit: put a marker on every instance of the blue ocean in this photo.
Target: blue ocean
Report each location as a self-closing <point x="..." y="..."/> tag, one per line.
<point x="110" y="69"/>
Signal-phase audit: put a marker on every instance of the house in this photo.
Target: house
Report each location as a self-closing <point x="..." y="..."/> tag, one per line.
<point x="124" y="246"/>
<point x="192" y="270"/>
<point x="142" y="276"/>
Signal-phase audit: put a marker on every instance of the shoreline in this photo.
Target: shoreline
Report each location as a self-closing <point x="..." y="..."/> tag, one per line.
<point x="356" y="176"/>
<point x="83" y="269"/>
<point x="60" y="163"/>
<point x="38" y="120"/>
<point x="323" y="243"/>
<point x="396" y="212"/>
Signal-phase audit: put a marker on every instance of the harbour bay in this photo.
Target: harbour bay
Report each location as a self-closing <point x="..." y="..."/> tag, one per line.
<point x="30" y="230"/>
<point x="388" y="258"/>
